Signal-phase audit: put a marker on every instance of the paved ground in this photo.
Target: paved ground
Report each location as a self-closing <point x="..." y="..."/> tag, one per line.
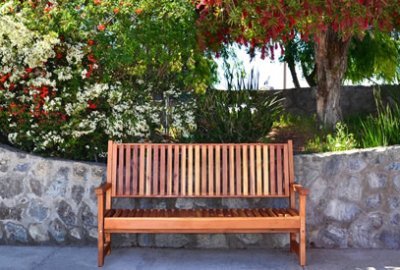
<point x="76" y="258"/>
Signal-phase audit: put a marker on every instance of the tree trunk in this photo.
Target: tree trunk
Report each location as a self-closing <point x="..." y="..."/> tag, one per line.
<point x="292" y="68"/>
<point x="331" y="59"/>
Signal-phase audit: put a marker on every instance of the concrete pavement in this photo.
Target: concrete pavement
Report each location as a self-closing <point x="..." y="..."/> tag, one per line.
<point x="76" y="258"/>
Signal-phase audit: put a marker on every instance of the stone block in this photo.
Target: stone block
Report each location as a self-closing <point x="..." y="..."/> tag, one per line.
<point x="58" y="185"/>
<point x="334" y="237"/>
<point x="373" y="201"/>
<point x="38" y="211"/>
<point x="66" y="213"/>
<point x="377" y="180"/>
<point x="341" y="210"/>
<point x="396" y="182"/>
<point x="390" y="239"/>
<point x="10" y="187"/>
<point x="36" y="187"/>
<point x="38" y="233"/>
<point x="356" y="164"/>
<point x="58" y="231"/>
<point x="77" y="193"/>
<point x="171" y="240"/>
<point x="11" y="213"/>
<point x="16" y="232"/>
<point x="211" y="241"/>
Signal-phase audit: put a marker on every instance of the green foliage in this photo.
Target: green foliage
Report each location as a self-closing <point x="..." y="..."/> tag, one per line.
<point x="235" y="116"/>
<point x="376" y="56"/>
<point x="384" y="128"/>
<point x="96" y="71"/>
<point x="339" y="141"/>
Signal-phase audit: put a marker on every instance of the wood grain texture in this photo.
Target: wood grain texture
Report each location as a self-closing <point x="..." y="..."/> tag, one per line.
<point x="211" y="170"/>
<point x="201" y="171"/>
<point x="238" y="170"/>
<point x="183" y="170"/>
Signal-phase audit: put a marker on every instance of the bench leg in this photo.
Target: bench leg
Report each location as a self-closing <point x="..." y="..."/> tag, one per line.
<point x="100" y="246"/>
<point x="108" y="241"/>
<point x="302" y="247"/>
<point x="293" y="242"/>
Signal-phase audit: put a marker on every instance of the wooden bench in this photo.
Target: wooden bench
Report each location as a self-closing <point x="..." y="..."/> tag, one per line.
<point x="201" y="171"/>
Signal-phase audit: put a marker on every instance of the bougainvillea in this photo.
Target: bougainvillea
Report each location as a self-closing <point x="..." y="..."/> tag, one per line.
<point x="331" y="24"/>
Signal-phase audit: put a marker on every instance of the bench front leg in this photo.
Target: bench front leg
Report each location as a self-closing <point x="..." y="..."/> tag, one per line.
<point x="300" y="247"/>
<point x="100" y="192"/>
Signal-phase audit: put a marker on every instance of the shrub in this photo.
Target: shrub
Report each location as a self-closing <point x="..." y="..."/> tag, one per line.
<point x="73" y="76"/>
<point x="235" y="116"/>
<point x="384" y="128"/>
<point x="341" y="140"/>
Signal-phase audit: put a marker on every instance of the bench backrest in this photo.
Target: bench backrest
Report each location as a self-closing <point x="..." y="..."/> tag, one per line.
<point x="200" y="170"/>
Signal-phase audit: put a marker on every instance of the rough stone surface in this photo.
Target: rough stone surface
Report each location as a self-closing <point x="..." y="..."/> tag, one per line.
<point x="65" y="212"/>
<point x="38" y="211"/>
<point x="341" y="210"/>
<point x="10" y="213"/>
<point x="211" y="241"/>
<point x="16" y="233"/>
<point x="38" y="233"/>
<point x="354" y="201"/>
<point x="171" y="240"/>
<point x="10" y="187"/>
<point x="58" y="230"/>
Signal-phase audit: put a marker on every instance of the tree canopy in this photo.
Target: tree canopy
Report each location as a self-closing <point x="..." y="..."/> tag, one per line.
<point x="330" y="24"/>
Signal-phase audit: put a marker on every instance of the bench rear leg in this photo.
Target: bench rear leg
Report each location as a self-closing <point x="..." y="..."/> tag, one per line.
<point x="293" y="242"/>
<point x="108" y="241"/>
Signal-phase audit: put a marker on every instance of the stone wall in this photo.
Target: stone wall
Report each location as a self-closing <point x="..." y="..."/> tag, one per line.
<point x="355" y="100"/>
<point x="354" y="202"/>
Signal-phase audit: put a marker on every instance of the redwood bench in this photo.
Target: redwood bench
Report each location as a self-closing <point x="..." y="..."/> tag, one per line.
<point x="201" y="171"/>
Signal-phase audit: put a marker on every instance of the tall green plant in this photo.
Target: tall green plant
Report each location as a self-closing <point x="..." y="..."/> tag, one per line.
<point x="235" y="116"/>
<point x="384" y="128"/>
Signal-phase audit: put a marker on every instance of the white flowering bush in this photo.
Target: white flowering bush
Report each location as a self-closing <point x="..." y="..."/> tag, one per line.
<point x="42" y="111"/>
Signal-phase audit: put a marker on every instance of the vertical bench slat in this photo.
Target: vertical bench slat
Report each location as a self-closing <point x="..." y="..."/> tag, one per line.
<point x="245" y="171"/>
<point x="266" y="170"/>
<point x="231" y="170"/>
<point x="190" y="170"/>
<point x="259" y="170"/>
<point x="155" y="170"/>
<point x="162" y="169"/>
<point x="211" y="170"/>
<point x="217" y="170"/>
<point x="121" y="164"/>
<point x="148" y="169"/>
<point x="197" y="170"/>
<point x="279" y="168"/>
<point x="176" y="169"/>
<point x="135" y="170"/>
<point x="286" y="169"/>
<point x="204" y="170"/>
<point x="252" y="171"/>
<point x="169" y="170"/>
<point x="141" y="170"/>
<point x="238" y="170"/>
<point x="128" y="167"/>
<point x="224" y="170"/>
<point x="272" y="178"/>
<point x="183" y="170"/>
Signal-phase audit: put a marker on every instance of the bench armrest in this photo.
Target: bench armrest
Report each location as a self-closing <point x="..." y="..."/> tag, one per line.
<point x="299" y="189"/>
<point x="101" y="190"/>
